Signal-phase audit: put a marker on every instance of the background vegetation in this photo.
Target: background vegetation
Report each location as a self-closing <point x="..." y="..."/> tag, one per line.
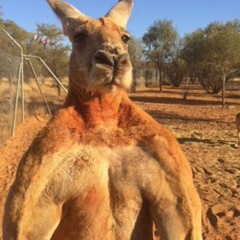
<point x="209" y="56"/>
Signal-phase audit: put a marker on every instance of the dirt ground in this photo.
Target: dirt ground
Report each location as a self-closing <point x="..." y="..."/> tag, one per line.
<point x="207" y="134"/>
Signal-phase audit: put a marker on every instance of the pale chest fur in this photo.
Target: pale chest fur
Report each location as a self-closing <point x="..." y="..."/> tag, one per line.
<point x="102" y="189"/>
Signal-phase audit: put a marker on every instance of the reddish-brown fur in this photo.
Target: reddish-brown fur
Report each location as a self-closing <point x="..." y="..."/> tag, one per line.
<point x="102" y="168"/>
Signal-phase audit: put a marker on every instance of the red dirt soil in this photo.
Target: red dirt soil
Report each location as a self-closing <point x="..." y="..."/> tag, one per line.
<point x="207" y="134"/>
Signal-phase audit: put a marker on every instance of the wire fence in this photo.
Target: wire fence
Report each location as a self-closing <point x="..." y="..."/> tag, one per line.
<point x="24" y="91"/>
<point x="9" y="69"/>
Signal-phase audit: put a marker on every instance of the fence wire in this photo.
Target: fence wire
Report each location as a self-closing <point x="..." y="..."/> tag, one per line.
<point x="9" y="69"/>
<point x="41" y="92"/>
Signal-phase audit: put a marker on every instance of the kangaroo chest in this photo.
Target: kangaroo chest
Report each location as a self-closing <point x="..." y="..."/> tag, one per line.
<point x="105" y="183"/>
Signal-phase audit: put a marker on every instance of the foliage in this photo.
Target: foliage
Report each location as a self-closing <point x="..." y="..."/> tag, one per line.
<point x="209" y="55"/>
<point x="1" y="24"/>
<point x="175" y="71"/>
<point x="51" y="31"/>
<point x="210" y="78"/>
<point x="135" y="49"/>
<point x="161" y="43"/>
<point x="55" y="54"/>
<point x="19" y="34"/>
<point x="213" y="54"/>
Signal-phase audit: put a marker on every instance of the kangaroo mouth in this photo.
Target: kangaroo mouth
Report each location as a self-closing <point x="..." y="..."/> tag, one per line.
<point x="110" y="70"/>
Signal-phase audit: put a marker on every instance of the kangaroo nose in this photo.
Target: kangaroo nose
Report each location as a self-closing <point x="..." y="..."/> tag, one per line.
<point x="111" y="48"/>
<point x="111" y="55"/>
<point x="104" y="57"/>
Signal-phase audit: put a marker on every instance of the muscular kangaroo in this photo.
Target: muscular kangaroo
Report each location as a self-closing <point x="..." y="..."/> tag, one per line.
<point x="102" y="168"/>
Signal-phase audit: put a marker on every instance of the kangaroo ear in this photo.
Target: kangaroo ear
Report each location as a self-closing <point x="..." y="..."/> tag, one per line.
<point x="120" y="13"/>
<point x="67" y="14"/>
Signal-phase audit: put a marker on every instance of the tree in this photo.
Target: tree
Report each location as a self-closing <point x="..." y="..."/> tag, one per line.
<point x="175" y="71"/>
<point x="1" y="24"/>
<point x="191" y="52"/>
<point x="18" y="33"/>
<point x="49" y="46"/>
<point x="160" y="41"/>
<point x="0" y="12"/>
<point x="215" y="54"/>
<point x="51" y="31"/>
<point x="55" y="54"/>
<point x="210" y="78"/>
<point x="223" y="42"/>
<point x="136" y="54"/>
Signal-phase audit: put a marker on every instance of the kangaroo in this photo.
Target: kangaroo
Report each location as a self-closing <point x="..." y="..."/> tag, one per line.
<point x="102" y="168"/>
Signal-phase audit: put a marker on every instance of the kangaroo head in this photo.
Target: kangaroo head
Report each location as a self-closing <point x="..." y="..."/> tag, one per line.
<point x="99" y="59"/>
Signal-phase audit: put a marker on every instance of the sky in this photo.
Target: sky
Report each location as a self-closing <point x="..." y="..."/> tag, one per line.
<point x="186" y="15"/>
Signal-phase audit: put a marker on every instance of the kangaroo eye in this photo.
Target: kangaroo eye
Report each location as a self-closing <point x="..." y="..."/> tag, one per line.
<point x="125" y="38"/>
<point x="80" y="37"/>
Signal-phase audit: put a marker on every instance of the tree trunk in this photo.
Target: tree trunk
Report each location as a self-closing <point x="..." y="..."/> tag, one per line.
<point x="160" y="79"/>
<point x="223" y="90"/>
